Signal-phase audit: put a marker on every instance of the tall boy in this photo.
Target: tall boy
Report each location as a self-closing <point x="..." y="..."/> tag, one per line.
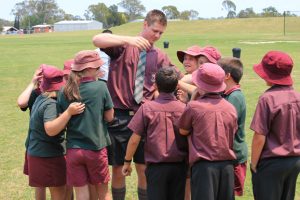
<point x="210" y="123"/>
<point x="233" y="68"/>
<point x="275" y="156"/>
<point x="165" y="158"/>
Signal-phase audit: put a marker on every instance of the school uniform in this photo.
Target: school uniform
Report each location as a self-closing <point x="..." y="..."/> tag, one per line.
<point x="87" y="136"/>
<point x="277" y="117"/>
<point x="213" y="123"/>
<point x="165" y="152"/>
<point x="121" y="85"/>
<point x="237" y="99"/>
<point x="45" y="154"/>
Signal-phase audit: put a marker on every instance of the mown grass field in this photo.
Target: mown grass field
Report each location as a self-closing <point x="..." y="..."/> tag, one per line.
<point x="20" y="55"/>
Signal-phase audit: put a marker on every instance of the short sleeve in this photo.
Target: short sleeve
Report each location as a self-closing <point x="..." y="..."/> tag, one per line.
<point x="137" y="124"/>
<point x="260" y="120"/>
<point x="186" y="119"/>
<point x="50" y="111"/>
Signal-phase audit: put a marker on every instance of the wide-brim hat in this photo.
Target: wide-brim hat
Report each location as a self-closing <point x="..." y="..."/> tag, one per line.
<point x="211" y="53"/>
<point x="193" y="51"/>
<point x="52" y="78"/>
<point x="275" y="68"/>
<point x="67" y="66"/>
<point x="210" y="78"/>
<point x="86" y="59"/>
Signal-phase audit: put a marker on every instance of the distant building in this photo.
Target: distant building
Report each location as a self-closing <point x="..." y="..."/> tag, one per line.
<point x="42" y="28"/>
<point x="9" y="30"/>
<point x="63" y="26"/>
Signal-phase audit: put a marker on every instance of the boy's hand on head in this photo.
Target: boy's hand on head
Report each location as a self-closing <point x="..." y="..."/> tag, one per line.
<point x="126" y="170"/>
<point x="76" y="108"/>
<point x="182" y="96"/>
<point x="139" y="42"/>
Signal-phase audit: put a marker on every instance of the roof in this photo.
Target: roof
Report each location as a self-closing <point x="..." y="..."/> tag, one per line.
<point x="76" y="22"/>
<point x="6" y="28"/>
<point x="41" y="26"/>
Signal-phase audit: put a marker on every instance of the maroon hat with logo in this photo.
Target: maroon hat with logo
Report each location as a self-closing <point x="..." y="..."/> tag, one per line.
<point x="211" y="53"/>
<point x="86" y="59"/>
<point x="52" y="78"/>
<point x="193" y="51"/>
<point x="210" y="78"/>
<point x="67" y="66"/>
<point x="276" y="68"/>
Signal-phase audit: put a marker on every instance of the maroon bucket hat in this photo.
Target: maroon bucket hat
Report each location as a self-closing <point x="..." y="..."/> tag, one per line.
<point x="193" y="51"/>
<point x="211" y="53"/>
<point x="52" y="78"/>
<point x="86" y="59"/>
<point x="276" y="68"/>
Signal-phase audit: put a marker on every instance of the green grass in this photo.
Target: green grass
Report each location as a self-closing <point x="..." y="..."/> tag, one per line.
<point x="21" y="55"/>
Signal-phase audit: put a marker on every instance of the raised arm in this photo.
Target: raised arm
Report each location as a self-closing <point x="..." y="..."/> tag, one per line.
<point x="105" y="40"/>
<point x="25" y="95"/>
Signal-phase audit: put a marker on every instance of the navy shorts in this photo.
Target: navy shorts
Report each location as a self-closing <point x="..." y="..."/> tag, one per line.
<point x="120" y="134"/>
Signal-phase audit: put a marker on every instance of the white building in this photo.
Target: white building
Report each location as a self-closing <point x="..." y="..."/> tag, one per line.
<point x="9" y="30"/>
<point x="63" y="26"/>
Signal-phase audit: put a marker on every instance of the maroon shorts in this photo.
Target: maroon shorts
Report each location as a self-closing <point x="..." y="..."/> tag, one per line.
<point x="46" y="172"/>
<point x="25" y="167"/>
<point x="87" y="167"/>
<point x="239" y="178"/>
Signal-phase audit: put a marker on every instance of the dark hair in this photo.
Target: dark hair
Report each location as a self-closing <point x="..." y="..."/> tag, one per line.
<point x="232" y="65"/>
<point x="156" y="16"/>
<point x="107" y="31"/>
<point x="166" y="79"/>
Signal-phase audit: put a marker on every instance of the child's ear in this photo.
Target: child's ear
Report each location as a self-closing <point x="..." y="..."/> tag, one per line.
<point x="227" y="76"/>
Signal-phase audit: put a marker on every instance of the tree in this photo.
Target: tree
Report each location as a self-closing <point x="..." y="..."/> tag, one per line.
<point x="188" y="14"/>
<point x="115" y="18"/>
<point x="98" y="12"/>
<point x="17" y="22"/>
<point x="134" y="8"/>
<point x="270" y="12"/>
<point x="247" y="13"/>
<point x="171" y="12"/>
<point x="193" y="14"/>
<point x="230" y="7"/>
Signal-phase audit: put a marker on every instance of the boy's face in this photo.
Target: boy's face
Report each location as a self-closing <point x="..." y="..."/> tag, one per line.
<point x="153" y="32"/>
<point x="190" y="63"/>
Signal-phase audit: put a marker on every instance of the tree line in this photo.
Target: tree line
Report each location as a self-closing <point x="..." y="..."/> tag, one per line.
<point x="32" y="12"/>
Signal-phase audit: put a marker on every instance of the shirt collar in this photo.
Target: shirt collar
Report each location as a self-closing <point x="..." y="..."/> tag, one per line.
<point x="87" y="79"/>
<point x="234" y="88"/>
<point x="166" y="96"/>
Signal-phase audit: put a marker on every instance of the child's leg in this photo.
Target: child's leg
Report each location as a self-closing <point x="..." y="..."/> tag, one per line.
<point x="93" y="192"/>
<point x="226" y="181"/>
<point x="187" y="193"/>
<point x="58" y="193"/>
<point x="82" y="193"/>
<point x="103" y="193"/>
<point x="40" y="193"/>
<point x="69" y="193"/>
<point x="142" y="183"/>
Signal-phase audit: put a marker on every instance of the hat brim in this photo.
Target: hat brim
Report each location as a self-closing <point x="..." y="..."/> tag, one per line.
<point x="180" y="55"/>
<point x="209" y="57"/>
<point x="271" y="77"/>
<point x="205" y="86"/>
<point x="52" y="86"/>
<point x="80" y="67"/>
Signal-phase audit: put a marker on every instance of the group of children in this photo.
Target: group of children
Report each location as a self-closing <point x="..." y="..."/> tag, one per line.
<point x="193" y="129"/>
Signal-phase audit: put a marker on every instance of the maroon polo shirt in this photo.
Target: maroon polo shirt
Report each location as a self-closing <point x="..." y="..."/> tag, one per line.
<point x="277" y="117"/>
<point x="157" y="121"/>
<point x="122" y="73"/>
<point x="213" y="123"/>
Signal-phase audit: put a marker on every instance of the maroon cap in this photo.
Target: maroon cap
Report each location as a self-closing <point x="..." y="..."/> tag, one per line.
<point x="276" y="68"/>
<point x="193" y="51"/>
<point x="67" y="66"/>
<point x="211" y="53"/>
<point x="86" y="59"/>
<point x="52" y="78"/>
<point x="210" y="78"/>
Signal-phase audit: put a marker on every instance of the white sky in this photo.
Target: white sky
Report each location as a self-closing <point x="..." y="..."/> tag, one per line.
<point x="206" y="9"/>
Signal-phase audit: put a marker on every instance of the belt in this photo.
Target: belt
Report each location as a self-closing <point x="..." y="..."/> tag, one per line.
<point x="121" y="112"/>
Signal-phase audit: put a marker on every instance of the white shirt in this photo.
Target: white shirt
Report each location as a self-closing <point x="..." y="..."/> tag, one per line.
<point x="105" y="67"/>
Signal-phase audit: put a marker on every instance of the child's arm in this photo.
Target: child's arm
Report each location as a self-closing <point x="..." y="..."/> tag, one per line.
<point x="258" y="143"/>
<point x="25" y="95"/>
<point x="55" y="126"/>
<point x="184" y="132"/>
<point x="109" y="115"/>
<point x="131" y="148"/>
<point x="186" y="87"/>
